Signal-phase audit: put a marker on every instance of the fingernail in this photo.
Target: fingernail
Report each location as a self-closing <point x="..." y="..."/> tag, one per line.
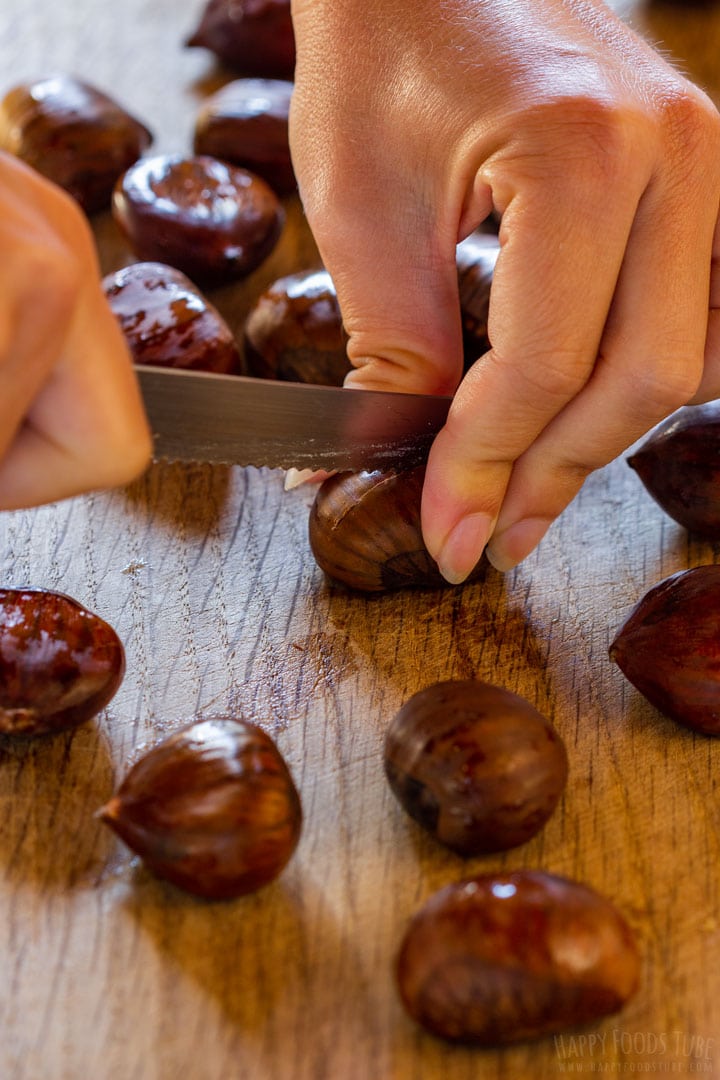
<point x="463" y="547"/>
<point x="511" y="546"/>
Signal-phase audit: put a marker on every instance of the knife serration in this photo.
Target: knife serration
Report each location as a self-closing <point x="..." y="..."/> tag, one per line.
<point x="232" y="419"/>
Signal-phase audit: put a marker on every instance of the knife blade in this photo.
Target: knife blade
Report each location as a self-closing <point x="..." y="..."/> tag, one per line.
<point x="233" y="419"/>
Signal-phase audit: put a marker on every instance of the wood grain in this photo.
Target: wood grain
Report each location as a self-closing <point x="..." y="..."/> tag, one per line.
<point x="207" y="576"/>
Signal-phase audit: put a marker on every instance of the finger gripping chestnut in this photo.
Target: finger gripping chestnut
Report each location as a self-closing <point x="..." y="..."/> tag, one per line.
<point x="679" y="464"/>
<point x="365" y="532"/>
<point x="212" y="809"/>
<point x="669" y="648"/>
<point x="477" y="766"/>
<point x="507" y="957"/>
<point x="60" y="664"/>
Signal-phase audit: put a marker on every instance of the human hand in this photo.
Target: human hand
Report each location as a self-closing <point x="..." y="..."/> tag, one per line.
<point x="72" y="416"/>
<point x="410" y="123"/>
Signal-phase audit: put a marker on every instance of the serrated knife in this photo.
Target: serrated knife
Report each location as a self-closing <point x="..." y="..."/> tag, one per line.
<point x="196" y="416"/>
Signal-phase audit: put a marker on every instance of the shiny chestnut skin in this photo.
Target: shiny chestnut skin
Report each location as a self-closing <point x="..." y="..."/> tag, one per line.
<point x="214" y="221"/>
<point x="294" y="331"/>
<point x="60" y="664"/>
<point x="246" y="123"/>
<point x="365" y="533"/>
<point x="254" y="37"/>
<point x="476" y="258"/>
<point x="679" y="464"/>
<point x="477" y="766"/>
<point x="502" y="958"/>
<point x="212" y="809"/>
<point x="72" y="133"/>
<point x="167" y="322"/>
<point x="669" y="648"/>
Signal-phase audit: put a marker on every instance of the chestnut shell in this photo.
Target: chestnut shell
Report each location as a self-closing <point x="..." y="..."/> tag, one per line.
<point x="669" y="648"/>
<point x="294" y="331"/>
<point x="476" y="765"/>
<point x="507" y="957"/>
<point x="246" y="123"/>
<point x="214" y="221"/>
<point x="72" y="133"/>
<point x="60" y="664"/>
<point x="212" y="809"/>
<point x="679" y="464"/>
<point x="254" y="36"/>
<point x="365" y="533"/>
<point x="167" y="322"/>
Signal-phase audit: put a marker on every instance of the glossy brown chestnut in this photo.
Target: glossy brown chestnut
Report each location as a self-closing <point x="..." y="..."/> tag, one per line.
<point x="476" y="257"/>
<point x="73" y="134"/>
<point x="507" y="957"/>
<point x="669" y="648"/>
<point x="212" y="809"/>
<point x="214" y="221"/>
<point x="167" y="322"/>
<point x="679" y="464"/>
<point x="477" y="766"/>
<point x="365" y="532"/>
<point x="60" y="664"/>
<point x="246" y="123"/>
<point x="294" y="331"/>
<point x="253" y="36"/>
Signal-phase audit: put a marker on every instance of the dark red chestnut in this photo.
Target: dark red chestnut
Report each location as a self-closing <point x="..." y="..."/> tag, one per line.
<point x="679" y="464"/>
<point x="213" y="809"/>
<point x="214" y="221"/>
<point x="60" y="664"/>
<point x="246" y="123"/>
<point x="294" y="331"/>
<point x="73" y="134"/>
<point x="253" y="36"/>
<point x="167" y="322"/>
<point x="365" y="532"/>
<point x="669" y="648"/>
<point x="506" y="957"/>
<point x="477" y="766"/>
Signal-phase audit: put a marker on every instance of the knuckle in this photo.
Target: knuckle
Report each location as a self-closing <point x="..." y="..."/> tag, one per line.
<point x="668" y="387"/>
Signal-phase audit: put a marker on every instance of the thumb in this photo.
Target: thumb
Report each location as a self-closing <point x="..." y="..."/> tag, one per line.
<point x="397" y="287"/>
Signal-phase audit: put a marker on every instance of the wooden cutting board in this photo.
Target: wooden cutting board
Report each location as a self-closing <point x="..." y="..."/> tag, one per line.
<point x="107" y="974"/>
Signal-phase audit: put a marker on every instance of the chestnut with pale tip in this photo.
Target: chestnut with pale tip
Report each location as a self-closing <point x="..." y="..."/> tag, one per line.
<point x="213" y="809"/>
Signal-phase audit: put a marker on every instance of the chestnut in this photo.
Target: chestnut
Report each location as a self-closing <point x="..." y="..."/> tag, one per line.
<point x="60" y="664"/>
<point x="212" y="809"/>
<point x="246" y="123"/>
<point x="679" y="464"/>
<point x="167" y="321"/>
<point x="506" y="957"/>
<point x="477" y="766"/>
<point x="294" y="331"/>
<point x="365" y="533"/>
<point x="214" y="221"/>
<point x="72" y="133"/>
<point x="669" y="648"/>
<point x="254" y="36"/>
